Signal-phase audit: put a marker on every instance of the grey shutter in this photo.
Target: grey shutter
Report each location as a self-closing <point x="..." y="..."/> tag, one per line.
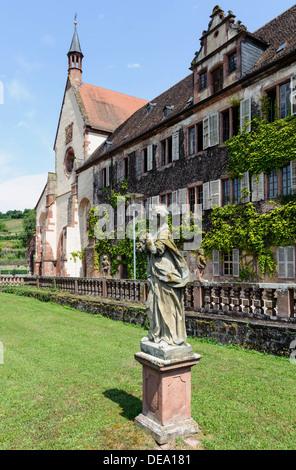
<point x="155" y="201"/>
<point x="150" y="158"/>
<point x="245" y="114"/>
<point x="107" y="175"/>
<point x="258" y="187"/>
<point x="216" y="263"/>
<point x="175" y="203"/>
<point x="293" y="95"/>
<point x="245" y="187"/>
<point x="214" y="129"/>
<point x="120" y="171"/>
<point x="175" y="144"/>
<point x="215" y="193"/>
<point x="139" y="163"/>
<point x="235" y="262"/>
<point x="293" y="176"/>
<point x="290" y="257"/>
<point x="183" y="199"/>
<point x="206" y="133"/>
<point x="206" y="196"/>
<point x="100" y="179"/>
<point x="281" y="262"/>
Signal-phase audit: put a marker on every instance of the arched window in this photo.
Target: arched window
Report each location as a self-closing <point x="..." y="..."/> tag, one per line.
<point x="69" y="161"/>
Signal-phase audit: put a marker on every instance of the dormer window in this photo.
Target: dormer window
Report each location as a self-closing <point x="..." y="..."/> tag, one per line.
<point x="107" y="145"/>
<point x="150" y="107"/>
<point x="218" y="79"/>
<point x="167" y="110"/>
<point x="203" y="81"/>
<point x="232" y="62"/>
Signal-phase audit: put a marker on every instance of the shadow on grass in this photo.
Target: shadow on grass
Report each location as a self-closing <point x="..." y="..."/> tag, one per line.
<point x="131" y="406"/>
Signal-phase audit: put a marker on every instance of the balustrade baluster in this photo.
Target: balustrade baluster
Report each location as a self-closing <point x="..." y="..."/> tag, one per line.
<point x="270" y="302"/>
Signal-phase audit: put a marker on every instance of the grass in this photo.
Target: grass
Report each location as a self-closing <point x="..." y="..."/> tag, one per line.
<point x="14" y="225"/>
<point x="70" y="381"/>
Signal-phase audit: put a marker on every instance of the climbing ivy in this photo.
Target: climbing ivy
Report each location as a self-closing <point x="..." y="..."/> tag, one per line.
<point x="267" y="146"/>
<point x="254" y="234"/>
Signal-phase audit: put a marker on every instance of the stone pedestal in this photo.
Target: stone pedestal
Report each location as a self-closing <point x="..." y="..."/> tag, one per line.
<point x="167" y="392"/>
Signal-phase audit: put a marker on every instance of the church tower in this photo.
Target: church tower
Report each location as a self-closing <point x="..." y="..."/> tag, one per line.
<point x="75" y="57"/>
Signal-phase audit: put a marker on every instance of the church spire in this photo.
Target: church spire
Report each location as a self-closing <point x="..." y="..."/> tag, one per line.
<point x="75" y="57"/>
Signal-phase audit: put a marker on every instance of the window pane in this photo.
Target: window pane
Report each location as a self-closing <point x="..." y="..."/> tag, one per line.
<point x="192" y="199"/>
<point x="232" y="62"/>
<point x="273" y="184"/>
<point x="286" y="180"/>
<point x="236" y="191"/>
<point x="192" y="141"/>
<point x="203" y="81"/>
<point x="218" y="79"/>
<point x="226" y="192"/>
<point x="285" y="103"/>
<point x="163" y="152"/>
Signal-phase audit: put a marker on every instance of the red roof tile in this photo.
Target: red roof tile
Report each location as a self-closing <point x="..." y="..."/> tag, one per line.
<point x="107" y="109"/>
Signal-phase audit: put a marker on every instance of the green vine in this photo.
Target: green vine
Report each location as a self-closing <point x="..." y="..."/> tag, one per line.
<point x="267" y="146"/>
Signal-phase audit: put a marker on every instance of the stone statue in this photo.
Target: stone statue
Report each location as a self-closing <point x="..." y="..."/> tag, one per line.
<point x="105" y="266"/>
<point x="167" y="275"/>
<point x="201" y="264"/>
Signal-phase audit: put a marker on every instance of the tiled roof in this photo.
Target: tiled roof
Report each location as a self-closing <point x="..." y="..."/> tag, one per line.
<point x="106" y="109"/>
<point x="276" y="33"/>
<point x="177" y="99"/>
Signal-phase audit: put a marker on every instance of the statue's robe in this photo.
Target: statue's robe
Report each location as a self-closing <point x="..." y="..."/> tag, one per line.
<point x="167" y="275"/>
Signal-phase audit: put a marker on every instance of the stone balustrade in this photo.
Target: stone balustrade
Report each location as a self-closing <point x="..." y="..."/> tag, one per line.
<point x="254" y="300"/>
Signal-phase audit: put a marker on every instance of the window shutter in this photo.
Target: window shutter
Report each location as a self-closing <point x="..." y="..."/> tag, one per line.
<point x="293" y="176"/>
<point x="235" y="262"/>
<point x="150" y="158"/>
<point x="175" y="145"/>
<point x="155" y="201"/>
<point x="214" y="130"/>
<point x="281" y="262"/>
<point x="107" y="175"/>
<point x="293" y="95"/>
<point x="100" y="179"/>
<point x="215" y="193"/>
<point x="175" y="203"/>
<point x="216" y="263"/>
<point x="120" y="171"/>
<point x="139" y="163"/>
<point x="245" y="187"/>
<point x="245" y="114"/>
<point x="183" y="201"/>
<point x="206" y="135"/>
<point x="258" y="187"/>
<point x="290" y="253"/>
<point x="206" y="196"/>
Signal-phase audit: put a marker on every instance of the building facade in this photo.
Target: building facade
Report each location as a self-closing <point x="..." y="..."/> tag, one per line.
<point x="174" y="148"/>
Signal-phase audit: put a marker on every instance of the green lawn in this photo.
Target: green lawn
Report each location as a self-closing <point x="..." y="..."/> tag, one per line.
<point x="70" y="381"/>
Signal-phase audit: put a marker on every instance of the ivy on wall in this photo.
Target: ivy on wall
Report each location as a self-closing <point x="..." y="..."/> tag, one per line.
<point x="267" y="146"/>
<point x="241" y="227"/>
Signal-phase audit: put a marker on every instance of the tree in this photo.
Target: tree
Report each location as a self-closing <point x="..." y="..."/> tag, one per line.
<point x="3" y="227"/>
<point x="29" y="227"/>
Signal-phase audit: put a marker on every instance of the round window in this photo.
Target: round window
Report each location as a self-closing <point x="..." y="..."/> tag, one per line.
<point x="69" y="160"/>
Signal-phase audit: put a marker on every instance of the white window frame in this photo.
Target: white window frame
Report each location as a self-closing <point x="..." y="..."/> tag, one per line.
<point x="211" y="130"/>
<point x="245" y="114"/>
<point x="286" y="262"/>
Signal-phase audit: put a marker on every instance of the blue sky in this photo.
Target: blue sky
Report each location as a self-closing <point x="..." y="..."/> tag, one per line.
<point x="134" y="47"/>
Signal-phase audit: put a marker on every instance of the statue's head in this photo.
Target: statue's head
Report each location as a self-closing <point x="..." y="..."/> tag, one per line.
<point x="159" y="211"/>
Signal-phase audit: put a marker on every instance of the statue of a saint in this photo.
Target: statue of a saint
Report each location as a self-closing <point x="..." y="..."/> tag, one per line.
<point x="167" y="275"/>
<point x="105" y="266"/>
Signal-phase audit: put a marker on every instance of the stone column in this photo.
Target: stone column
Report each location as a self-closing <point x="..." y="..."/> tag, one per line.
<point x="167" y="391"/>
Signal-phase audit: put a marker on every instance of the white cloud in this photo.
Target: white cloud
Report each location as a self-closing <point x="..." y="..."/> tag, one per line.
<point x="22" y="192"/>
<point x="18" y="91"/>
<point x="134" y="66"/>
